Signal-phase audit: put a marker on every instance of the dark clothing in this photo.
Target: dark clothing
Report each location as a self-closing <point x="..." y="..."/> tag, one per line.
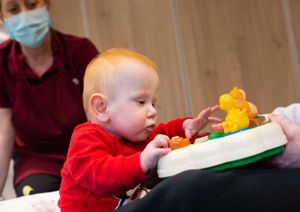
<point x="38" y="183"/>
<point x="244" y="189"/>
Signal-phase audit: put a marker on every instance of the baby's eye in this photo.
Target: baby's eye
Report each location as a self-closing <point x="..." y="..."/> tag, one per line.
<point x="141" y="102"/>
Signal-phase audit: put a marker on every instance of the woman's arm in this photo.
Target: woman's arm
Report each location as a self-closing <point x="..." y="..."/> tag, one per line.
<point x="7" y="136"/>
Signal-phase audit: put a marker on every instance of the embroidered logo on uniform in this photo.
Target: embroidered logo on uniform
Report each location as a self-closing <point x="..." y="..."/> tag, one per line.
<point x="75" y="81"/>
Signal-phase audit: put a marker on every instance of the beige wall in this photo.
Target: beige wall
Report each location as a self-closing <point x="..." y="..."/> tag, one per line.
<point x="202" y="47"/>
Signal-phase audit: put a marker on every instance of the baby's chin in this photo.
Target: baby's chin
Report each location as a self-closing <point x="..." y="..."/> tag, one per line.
<point x="139" y="138"/>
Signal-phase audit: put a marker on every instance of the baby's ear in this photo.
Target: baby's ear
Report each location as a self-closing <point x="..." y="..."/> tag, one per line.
<point x="98" y="103"/>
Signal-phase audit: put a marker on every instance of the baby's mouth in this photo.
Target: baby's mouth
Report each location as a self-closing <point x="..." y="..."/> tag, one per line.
<point x="150" y="128"/>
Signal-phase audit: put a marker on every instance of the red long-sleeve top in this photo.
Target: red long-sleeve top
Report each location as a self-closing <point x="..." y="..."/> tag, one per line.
<point x="100" y="166"/>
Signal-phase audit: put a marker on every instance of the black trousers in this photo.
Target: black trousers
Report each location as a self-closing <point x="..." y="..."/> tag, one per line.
<point x="242" y="190"/>
<point x="37" y="183"/>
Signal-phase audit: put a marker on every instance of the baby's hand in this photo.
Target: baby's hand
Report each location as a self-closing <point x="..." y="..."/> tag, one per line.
<point x="193" y="126"/>
<point x="154" y="150"/>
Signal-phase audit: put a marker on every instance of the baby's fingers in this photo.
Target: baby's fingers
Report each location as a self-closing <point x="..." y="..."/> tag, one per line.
<point x="204" y="114"/>
<point x="160" y="141"/>
<point x="214" y="119"/>
<point x="214" y="108"/>
<point x="159" y="152"/>
<point x="217" y="127"/>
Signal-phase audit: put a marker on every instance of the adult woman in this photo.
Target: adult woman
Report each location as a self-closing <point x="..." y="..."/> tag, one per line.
<point x="41" y="74"/>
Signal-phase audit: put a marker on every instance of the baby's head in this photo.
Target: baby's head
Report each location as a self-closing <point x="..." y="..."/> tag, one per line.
<point x="120" y="93"/>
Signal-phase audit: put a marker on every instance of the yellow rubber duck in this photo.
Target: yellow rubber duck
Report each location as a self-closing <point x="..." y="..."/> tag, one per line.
<point x="238" y="109"/>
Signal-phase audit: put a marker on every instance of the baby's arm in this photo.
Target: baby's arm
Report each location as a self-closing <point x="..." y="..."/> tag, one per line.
<point x="158" y="147"/>
<point x="193" y="126"/>
<point x="153" y="151"/>
<point x="94" y="163"/>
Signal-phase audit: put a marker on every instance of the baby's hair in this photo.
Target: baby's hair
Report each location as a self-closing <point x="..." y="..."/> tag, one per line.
<point x="104" y="69"/>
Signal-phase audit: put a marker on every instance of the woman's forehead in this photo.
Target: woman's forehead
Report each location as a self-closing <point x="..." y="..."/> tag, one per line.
<point x="23" y="1"/>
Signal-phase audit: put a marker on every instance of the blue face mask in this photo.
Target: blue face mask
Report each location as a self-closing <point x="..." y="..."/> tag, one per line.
<point x="29" y="28"/>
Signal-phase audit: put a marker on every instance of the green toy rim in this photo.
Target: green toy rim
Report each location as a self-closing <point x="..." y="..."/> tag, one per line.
<point x="241" y="162"/>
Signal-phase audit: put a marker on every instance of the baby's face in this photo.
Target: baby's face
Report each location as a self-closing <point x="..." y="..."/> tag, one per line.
<point x="132" y="109"/>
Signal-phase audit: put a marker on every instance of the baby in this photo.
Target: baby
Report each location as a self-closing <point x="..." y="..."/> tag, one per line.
<point x="116" y="149"/>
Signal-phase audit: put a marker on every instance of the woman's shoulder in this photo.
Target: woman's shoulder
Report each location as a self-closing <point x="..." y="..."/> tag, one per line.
<point x="76" y="49"/>
<point x="8" y="55"/>
<point x="68" y="39"/>
<point x="6" y="46"/>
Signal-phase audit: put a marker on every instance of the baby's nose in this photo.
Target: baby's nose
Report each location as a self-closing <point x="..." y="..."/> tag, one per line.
<point x="152" y="112"/>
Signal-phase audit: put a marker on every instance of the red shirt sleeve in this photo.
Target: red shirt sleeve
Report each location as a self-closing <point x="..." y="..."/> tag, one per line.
<point x="171" y="129"/>
<point x="93" y="165"/>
